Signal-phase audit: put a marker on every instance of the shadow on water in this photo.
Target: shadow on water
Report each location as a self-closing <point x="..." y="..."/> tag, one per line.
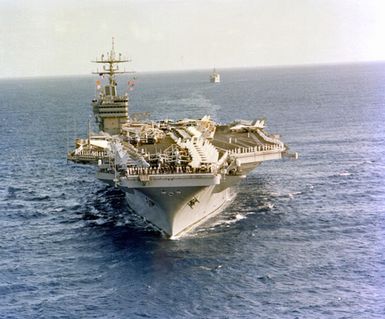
<point x="107" y="211"/>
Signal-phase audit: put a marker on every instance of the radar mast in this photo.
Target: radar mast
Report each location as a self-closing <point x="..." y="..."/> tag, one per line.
<point x="110" y="62"/>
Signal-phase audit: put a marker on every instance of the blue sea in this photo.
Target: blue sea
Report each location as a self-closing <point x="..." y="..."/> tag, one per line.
<point x="304" y="238"/>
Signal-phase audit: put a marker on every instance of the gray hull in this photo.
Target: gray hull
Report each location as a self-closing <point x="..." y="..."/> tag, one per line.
<point x="181" y="218"/>
<point x="182" y="204"/>
<point x="177" y="203"/>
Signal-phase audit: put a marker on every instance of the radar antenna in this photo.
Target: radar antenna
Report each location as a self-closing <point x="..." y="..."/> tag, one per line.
<point x="110" y="67"/>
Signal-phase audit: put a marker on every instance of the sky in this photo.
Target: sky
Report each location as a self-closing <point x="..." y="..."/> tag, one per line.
<point x="57" y="37"/>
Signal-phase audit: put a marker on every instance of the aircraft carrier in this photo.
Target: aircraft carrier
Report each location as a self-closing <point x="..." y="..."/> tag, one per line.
<point x="176" y="174"/>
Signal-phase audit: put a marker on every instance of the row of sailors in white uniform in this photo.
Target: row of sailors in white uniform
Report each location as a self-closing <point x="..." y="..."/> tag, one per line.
<point x="168" y="170"/>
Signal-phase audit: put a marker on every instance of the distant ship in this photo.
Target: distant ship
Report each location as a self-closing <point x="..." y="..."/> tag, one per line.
<point x="175" y="174"/>
<point x="215" y="77"/>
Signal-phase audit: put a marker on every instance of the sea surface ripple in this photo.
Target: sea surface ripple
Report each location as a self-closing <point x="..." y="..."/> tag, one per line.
<point x="304" y="239"/>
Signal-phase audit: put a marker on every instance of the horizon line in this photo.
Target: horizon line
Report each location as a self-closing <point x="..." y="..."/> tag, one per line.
<point x="270" y="66"/>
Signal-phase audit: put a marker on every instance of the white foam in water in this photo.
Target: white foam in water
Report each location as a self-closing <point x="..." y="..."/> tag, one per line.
<point x="326" y="234"/>
<point x="239" y="216"/>
<point x="345" y="174"/>
<point x="225" y="221"/>
<point x="293" y="194"/>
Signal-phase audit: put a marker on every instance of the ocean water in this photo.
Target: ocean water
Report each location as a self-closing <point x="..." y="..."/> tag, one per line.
<point x="304" y="239"/>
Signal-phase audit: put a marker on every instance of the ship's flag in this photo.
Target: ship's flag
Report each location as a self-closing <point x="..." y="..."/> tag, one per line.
<point x="131" y="84"/>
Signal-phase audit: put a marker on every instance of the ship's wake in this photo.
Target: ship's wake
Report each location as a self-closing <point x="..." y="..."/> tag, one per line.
<point x="196" y="101"/>
<point x="253" y="205"/>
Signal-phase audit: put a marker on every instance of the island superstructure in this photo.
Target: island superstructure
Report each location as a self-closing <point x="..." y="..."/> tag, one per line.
<point x="110" y="109"/>
<point x="175" y="174"/>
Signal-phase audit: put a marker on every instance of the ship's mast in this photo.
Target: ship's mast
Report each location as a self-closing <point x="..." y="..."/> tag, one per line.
<point x="110" y="68"/>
